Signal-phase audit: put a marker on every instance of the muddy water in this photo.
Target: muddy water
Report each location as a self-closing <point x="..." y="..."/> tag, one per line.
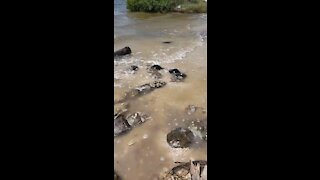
<point x="143" y="153"/>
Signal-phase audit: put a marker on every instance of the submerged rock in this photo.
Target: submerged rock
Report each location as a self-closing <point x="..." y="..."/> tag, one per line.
<point x="156" y="67"/>
<point x="134" y="68"/>
<point x="141" y="90"/>
<point x="180" y="138"/>
<point x="122" y="52"/>
<point x="157" y="84"/>
<point x="136" y="119"/>
<point x="124" y="122"/>
<point x="177" y="75"/>
<point x="193" y="170"/>
<point x="154" y="71"/>
<point x="121" y="125"/>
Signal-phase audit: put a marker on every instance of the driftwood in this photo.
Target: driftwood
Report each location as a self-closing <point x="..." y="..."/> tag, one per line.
<point x="122" y="52"/>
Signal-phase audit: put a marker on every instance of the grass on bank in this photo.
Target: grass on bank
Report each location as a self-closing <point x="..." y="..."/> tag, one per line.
<point x="187" y="6"/>
<point x="190" y="7"/>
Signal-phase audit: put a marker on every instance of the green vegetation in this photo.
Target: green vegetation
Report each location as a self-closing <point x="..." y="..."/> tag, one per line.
<point x="192" y="6"/>
<point x="197" y="7"/>
<point x="152" y="5"/>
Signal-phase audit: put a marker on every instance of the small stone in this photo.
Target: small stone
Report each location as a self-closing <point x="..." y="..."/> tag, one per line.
<point x="145" y="136"/>
<point x="131" y="142"/>
<point x="134" y="68"/>
<point x="177" y="75"/>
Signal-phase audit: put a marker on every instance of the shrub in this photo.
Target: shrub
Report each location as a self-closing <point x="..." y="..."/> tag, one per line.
<point x="153" y="5"/>
<point x="198" y="7"/>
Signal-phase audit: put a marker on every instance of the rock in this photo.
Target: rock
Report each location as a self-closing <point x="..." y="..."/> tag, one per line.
<point x="177" y="75"/>
<point x="121" y="125"/>
<point x="156" y="67"/>
<point x="123" y="51"/>
<point x="146" y="88"/>
<point x="188" y="171"/>
<point x="134" y="68"/>
<point x="124" y="121"/>
<point x="180" y="138"/>
<point x="154" y="70"/>
<point x="204" y="173"/>
<point x="158" y="84"/>
<point x="195" y="171"/>
<point x="141" y="90"/>
<point x="136" y="119"/>
<point x="174" y="71"/>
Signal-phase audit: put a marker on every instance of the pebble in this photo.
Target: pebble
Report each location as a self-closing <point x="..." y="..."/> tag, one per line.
<point x="131" y="142"/>
<point x="145" y="136"/>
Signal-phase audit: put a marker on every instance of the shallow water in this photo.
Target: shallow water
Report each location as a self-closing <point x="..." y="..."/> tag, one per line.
<point x="143" y="153"/>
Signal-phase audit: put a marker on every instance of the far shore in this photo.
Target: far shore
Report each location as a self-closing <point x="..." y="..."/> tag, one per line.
<point x="181" y="6"/>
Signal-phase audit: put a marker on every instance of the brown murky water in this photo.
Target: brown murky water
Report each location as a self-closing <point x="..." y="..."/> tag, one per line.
<point x="143" y="153"/>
